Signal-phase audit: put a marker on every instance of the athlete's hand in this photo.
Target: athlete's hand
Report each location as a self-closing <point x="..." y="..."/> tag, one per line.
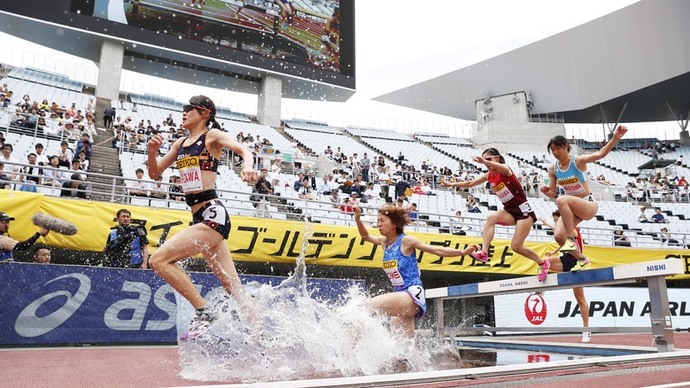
<point x="443" y="183"/>
<point x="249" y="175"/>
<point x="357" y="211"/>
<point x="154" y="144"/>
<point x="479" y="159"/>
<point x="620" y="131"/>
<point x="470" y="249"/>
<point x="544" y="189"/>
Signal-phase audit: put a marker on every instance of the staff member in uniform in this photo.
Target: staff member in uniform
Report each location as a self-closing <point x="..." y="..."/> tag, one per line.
<point x="9" y="245"/>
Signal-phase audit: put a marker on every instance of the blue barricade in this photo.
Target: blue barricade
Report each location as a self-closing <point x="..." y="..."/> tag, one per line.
<point x="63" y="304"/>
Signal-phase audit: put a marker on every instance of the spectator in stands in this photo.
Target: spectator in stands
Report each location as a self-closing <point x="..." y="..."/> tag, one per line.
<point x="458" y="226"/>
<point x="619" y="239"/>
<point x="406" y="303"/>
<point x="54" y="176"/>
<point x="31" y="174"/>
<point x="365" y="165"/>
<point x="70" y="131"/>
<point x="346" y="206"/>
<point x="41" y="158"/>
<point x="680" y="161"/>
<point x="175" y="188"/>
<point x="577" y="204"/>
<point x="471" y="204"/>
<point x="516" y="209"/>
<point x="89" y="127"/>
<point x="401" y="187"/>
<point x="665" y="237"/>
<point x="6" y="99"/>
<point x="83" y="162"/>
<point x="263" y="188"/>
<point x="413" y="213"/>
<point x="642" y="217"/>
<point x="72" y="110"/>
<point x="658" y="217"/>
<point x="138" y="187"/>
<point x="298" y="185"/>
<point x="324" y="186"/>
<point x="41" y="254"/>
<point x="84" y="145"/>
<point x="74" y="188"/>
<point x="370" y="194"/>
<point x="127" y="244"/>
<point x="18" y="119"/>
<point x="339" y="156"/>
<point x="385" y="181"/>
<point x="169" y="121"/>
<point x="158" y="190"/>
<point x="5" y="181"/>
<point x="602" y="179"/>
<point x="65" y="155"/>
<point x="9" y="245"/>
<point x="11" y="170"/>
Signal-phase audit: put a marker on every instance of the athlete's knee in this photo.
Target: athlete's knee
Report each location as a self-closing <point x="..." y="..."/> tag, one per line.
<point x="157" y="261"/>
<point x="491" y="219"/>
<point x="518" y="247"/>
<point x="562" y="200"/>
<point x="560" y="236"/>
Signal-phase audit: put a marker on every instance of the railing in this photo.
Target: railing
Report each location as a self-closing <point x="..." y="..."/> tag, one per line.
<point x="316" y="208"/>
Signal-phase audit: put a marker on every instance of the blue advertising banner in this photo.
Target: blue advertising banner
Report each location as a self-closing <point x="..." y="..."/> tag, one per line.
<point x="63" y="304"/>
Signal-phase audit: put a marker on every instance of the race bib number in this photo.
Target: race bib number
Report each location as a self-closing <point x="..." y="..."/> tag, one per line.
<point x="572" y="186"/>
<point x="190" y="173"/>
<point x="391" y="269"/>
<point x="215" y="213"/>
<point x="417" y="292"/>
<point x="503" y="193"/>
<point x="525" y="207"/>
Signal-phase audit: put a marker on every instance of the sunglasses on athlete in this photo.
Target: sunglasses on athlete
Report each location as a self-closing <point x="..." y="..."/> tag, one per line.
<point x="189" y="108"/>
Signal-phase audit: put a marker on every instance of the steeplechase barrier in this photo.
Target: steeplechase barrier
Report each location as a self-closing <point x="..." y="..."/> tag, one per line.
<point x="655" y="272"/>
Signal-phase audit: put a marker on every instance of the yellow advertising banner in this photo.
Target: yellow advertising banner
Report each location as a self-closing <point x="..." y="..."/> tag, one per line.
<point x="267" y="240"/>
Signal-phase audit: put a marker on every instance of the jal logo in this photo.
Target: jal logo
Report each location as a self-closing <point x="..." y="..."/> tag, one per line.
<point x="535" y="309"/>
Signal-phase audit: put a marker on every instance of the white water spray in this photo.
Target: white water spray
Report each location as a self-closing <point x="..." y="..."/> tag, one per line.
<point x="302" y="337"/>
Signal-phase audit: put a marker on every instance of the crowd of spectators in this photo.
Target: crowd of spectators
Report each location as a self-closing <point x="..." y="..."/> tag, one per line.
<point x="664" y="188"/>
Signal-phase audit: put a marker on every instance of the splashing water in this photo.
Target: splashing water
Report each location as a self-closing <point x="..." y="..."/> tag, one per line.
<point x="303" y="337"/>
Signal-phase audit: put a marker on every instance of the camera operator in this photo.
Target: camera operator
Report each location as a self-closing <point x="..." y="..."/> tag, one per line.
<point x="127" y="245"/>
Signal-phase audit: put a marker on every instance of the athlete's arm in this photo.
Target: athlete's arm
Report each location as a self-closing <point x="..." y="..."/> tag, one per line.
<point x="550" y="190"/>
<point x="156" y="166"/>
<point x="218" y="137"/>
<point x="477" y="181"/>
<point x="582" y="160"/>
<point x="410" y="243"/>
<point x="363" y="232"/>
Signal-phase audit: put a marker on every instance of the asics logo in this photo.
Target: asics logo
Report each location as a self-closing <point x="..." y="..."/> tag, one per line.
<point x="30" y="325"/>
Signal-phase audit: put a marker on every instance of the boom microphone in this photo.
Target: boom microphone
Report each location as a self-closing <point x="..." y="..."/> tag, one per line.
<point x="54" y="224"/>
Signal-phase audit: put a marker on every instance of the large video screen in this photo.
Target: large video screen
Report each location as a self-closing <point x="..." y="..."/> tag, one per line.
<point x="310" y="39"/>
<point x="305" y="32"/>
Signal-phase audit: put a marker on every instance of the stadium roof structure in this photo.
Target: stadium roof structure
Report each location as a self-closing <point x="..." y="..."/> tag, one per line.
<point x="632" y="65"/>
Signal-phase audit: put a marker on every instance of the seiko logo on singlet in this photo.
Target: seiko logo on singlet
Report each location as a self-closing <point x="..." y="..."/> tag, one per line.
<point x="568" y="181"/>
<point x="390" y="264"/>
<point x="187" y="162"/>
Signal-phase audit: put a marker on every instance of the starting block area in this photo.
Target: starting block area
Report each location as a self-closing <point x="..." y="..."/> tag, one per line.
<point x="655" y="272"/>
